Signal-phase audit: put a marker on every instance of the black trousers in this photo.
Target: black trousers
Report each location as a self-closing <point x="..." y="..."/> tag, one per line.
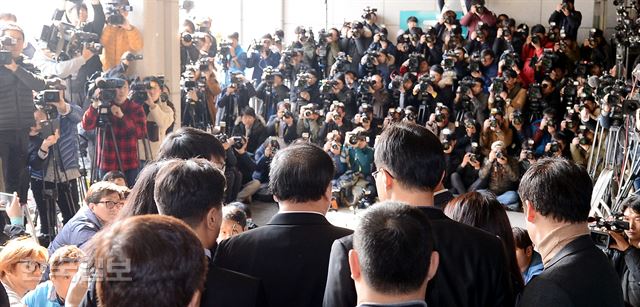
<point x="67" y="202"/>
<point x="14" y="154"/>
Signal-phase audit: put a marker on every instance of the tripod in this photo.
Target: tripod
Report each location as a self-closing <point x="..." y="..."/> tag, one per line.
<point x="197" y="114"/>
<point x="104" y="127"/>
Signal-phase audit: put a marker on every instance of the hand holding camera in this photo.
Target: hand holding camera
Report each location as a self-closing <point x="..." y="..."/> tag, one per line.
<point x="620" y="243"/>
<point x="117" y="111"/>
<point x="50" y="141"/>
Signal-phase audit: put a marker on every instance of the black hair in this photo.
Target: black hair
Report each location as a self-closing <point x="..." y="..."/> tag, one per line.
<point x="394" y="243"/>
<point x="632" y="202"/>
<point x="111" y="176"/>
<point x="482" y="210"/>
<point x="412" y="18"/>
<point x="151" y="245"/>
<point x="187" y="142"/>
<point x="538" y="29"/>
<point x="301" y="173"/>
<point x="188" y="189"/>
<point x="486" y="52"/>
<point x="412" y="154"/>
<point x="235" y="214"/>
<point x="140" y="200"/>
<point x="521" y="238"/>
<point x="243" y="207"/>
<point x="558" y="189"/>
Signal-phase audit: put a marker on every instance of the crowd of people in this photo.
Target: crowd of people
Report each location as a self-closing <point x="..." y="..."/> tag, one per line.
<point x="436" y="133"/>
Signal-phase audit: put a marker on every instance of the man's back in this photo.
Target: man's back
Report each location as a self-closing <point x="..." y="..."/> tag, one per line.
<point x="472" y="269"/>
<point x="579" y="275"/>
<point x="80" y="229"/>
<point x="290" y="255"/>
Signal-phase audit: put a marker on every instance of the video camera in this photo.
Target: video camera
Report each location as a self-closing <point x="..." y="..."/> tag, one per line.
<point x="139" y="91"/>
<point x="327" y="85"/>
<point x="601" y="238"/>
<point x="414" y="61"/>
<point x="66" y="42"/>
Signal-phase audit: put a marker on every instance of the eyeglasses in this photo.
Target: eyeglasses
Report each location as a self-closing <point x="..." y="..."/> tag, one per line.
<point x="375" y="174"/>
<point x="32" y="265"/>
<point x="110" y="204"/>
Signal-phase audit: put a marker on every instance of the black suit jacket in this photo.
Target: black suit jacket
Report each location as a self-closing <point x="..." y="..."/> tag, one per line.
<point x="289" y="255"/>
<point x="228" y="288"/>
<point x="472" y="270"/>
<point x="579" y="275"/>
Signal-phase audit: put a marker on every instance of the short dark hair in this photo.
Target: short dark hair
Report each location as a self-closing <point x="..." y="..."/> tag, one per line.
<point x="101" y="189"/>
<point x="111" y="176"/>
<point x="300" y="173"/>
<point x="188" y="189"/>
<point x="187" y="143"/>
<point x="235" y="214"/>
<point x="412" y="154"/>
<point x="150" y="245"/>
<point x="521" y="238"/>
<point x="394" y="242"/>
<point x="559" y="189"/>
<point x="412" y="18"/>
<point x="632" y="202"/>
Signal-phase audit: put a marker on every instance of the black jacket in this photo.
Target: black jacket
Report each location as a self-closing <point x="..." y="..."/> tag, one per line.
<point x="256" y="137"/>
<point x="579" y="275"/>
<point x="290" y="255"/>
<point x="16" y="96"/>
<point x="472" y="271"/>
<point x="228" y="288"/>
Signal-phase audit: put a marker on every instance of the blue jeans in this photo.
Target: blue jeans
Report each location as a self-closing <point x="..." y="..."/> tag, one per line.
<point x="509" y="199"/>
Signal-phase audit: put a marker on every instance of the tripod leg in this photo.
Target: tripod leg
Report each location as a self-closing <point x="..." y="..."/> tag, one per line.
<point x="115" y="146"/>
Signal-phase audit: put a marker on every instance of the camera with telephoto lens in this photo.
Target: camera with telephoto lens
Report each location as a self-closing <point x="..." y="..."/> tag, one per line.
<point x="599" y="226"/>
<point x="554" y="147"/>
<point x="66" y="41"/>
<point x="534" y="94"/>
<point x="366" y="85"/>
<point x="364" y="118"/>
<point x="410" y="115"/>
<point x="367" y="11"/>
<point x="498" y="86"/>
<point x="139" y="91"/>
<point x="353" y="138"/>
<point x="447" y="139"/>
<point x="517" y="118"/>
<point x="553" y="36"/>
<point x="448" y="61"/>
<point x="475" y="62"/>
<point x="493" y="122"/>
<point x="238" y="142"/>
<point x="547" y="59"/>
<point x="440" y="117"/>
<point x="509" y="58"/>
<point x="370" y="59"/>
<point x="424" y="82"/>
<point x="308" y="110"/>
<point x="269" y="74"/>
<point x="506" y="32"/>
<point x="327" y="85"/>
<point x="6" y="56"/>
<point x="113" y="15"/>
<point x="414" y="61"/>
<point x="500" y="154"/>
<point x="342" y="60"/>
<point x="275" y="145"/>
<point x="302" y="81"/>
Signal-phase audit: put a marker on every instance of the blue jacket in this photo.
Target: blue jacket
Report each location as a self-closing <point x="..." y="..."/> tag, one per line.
<point x="68" y="144"/>
<point x="258" y="64"/>
<point x="78" y="231"/>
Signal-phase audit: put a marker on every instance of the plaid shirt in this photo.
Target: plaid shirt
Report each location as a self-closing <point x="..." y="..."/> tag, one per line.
<point x="127" y="131"/>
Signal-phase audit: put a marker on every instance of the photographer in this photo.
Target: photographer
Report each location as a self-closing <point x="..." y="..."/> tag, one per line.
<point x="566" y="16"/>
<point x="246" y="166"/>
<point x="283" y="124"/>
<point x="252" y="129"/>
<point x="380" y="97"/>
<point x="333" y="147"/>
<point x="235" y="98"/>
<point x="234" y="58"/>
<point x="119" y="36"/>
<point x="271" y="91"/>
<point x="580" y="147"/>
<point x="340" y="92"/>
<point x="471" y="98"/>
<point x="333" y="47"/>
<point x="444" y="28"/>
<point x="481" y="41"/>
<point x="500" y="175"/>
<point x="355" y="42"/>
<point x="262" y="56"/>
<point x="595" y="49"/>
<point x="544" y="131"/>
<point x="368" y="128"/>
<point x="160" y="116"/>
<point x="189" y="52"/>
<point x="305" y="42"/>
<point x="439" y="121"/>
<point x="335" y="121"/>
<point x="360" y="161"/>
<point x="127" y="122"/>
<point x="476" y="14"/>
<point x="407" y="98"/>
<point x="532" y="52"/>
<point x="17" y="83"/>
<point x="624" y="251"/>
<point x="512" y="94"/>
<point x="376" y="62"/>
<point x="60" y="173"/>
<point x="467" y="173"/>
<point x="309" y="122"/>
<point x="495" y="129"/>
<point x="508" y="38"/>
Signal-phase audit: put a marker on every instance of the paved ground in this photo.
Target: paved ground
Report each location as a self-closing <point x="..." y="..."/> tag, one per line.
<point x="262" y="212"/>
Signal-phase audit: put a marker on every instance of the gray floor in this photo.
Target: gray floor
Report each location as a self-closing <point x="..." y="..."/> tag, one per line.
<point x="262" y="213"/>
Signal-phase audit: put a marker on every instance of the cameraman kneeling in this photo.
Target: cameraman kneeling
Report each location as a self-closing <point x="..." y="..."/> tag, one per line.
<point x="625" y="251"/>
<point x="360" y="160"/>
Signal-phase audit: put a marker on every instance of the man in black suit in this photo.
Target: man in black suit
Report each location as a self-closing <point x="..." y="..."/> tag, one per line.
<point x="291" y="253"/>
<point x="192" y="190"/>
<point x="473" y="270"/>
<point x="393" y="259"/>
<point x="556" y="195"/>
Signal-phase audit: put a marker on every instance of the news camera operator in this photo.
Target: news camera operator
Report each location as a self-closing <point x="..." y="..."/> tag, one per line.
<point x="500" y="175"/>
<point x="477" y="13"/>
<point x="495" y="128"/>
<point x="18" y="80"/>
<point x="262" y="56"/>
<point x="406" y="97"/>
<point x="252" y="129"/>
<point x="566" y="16"/>
<point x="159" y="112"/>
<point x="439" y="121"/>
<point x="305" y="42"/>
<point x="355" y="42"/>
<point x="127" y="121"/>
<point x="119" y="36"/>
<point x="471" y="98"/>
<point x="56" y="123"/>
<point x="271" y="91"/>
<point x="368" y="127"/>
<point x="283" y="124"/>
<point x="235" y="98"/>
<point x="309" y="122"/>
<point x="509" y="94"/>
<point x="340" y="92"/>
<point x="376" y="62"/>
<point x="335" y="121"/>
<point x="189" y="52"/>
<point x="446" y="24"/>
<point x="467" y="173"/>
<point x="508" y="38"/>
<point x="532" y="54"/>
<point x="360" y="161"/>
<point x="595" y="49"/>
<point x="481" y="41"/>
